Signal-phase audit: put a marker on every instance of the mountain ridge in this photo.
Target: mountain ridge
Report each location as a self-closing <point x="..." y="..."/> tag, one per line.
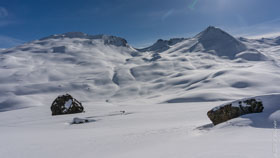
<point x="108" y="39"/>
<point x="212" y="40"/>
<point x="94" y="70"/>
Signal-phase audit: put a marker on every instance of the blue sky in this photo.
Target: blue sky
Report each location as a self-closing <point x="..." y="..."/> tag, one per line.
<point x="141" y="22"/>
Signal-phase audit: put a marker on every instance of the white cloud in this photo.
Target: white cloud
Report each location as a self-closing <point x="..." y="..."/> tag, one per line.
<point x="3" y="12"/>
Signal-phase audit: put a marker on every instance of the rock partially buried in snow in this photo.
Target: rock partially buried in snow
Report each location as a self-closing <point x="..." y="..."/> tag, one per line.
<point x="66" y="104"/>
<point x="235" y="109"/>
<point x="77" y="120"/>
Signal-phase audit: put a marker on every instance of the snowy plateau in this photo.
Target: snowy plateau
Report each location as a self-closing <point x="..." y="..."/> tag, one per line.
<point x="165" y="90"/>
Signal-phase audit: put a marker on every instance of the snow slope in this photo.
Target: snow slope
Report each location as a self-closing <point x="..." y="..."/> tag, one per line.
<point x="166" y="90"/>
<point x="146" y="130"/>
<point x="101" y="67"/>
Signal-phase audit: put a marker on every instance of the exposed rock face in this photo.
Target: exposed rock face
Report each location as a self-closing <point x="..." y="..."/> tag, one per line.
<point x="59" y="49"/>
<point x="162" y="45"/>
<point x="277" y="40"/>
<point x="235" y="109"/>
<point x="66" y="104"/>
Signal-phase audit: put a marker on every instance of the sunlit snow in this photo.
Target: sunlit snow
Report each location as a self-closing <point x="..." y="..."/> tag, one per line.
<point x="149" y="102"/>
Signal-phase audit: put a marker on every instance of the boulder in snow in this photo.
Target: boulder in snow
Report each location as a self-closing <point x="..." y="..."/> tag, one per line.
<point x="235" y="109"/>
<point x="66" y="104"/>
<point x="77" y="120"/>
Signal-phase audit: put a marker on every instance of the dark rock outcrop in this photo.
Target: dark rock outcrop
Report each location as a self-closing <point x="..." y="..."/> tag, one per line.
<point x="66" y="104"/>
<point x="162" y="45"/>
<point x="235" y="109"/>
<point x="59" y="49"/>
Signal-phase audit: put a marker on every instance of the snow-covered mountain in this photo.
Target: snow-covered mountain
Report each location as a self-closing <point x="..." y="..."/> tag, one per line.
<point x="101" y="67"/>
<point x="108" y="76"/>
<point x="218" y="42"/>
<point x="108" y="40"/>
<point x="162" y="45"/>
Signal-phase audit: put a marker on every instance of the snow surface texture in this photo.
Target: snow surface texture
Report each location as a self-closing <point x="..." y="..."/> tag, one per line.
<point x="148" y="130"/>
<point x="108" y="75"/>
<point x="212" y="66"/>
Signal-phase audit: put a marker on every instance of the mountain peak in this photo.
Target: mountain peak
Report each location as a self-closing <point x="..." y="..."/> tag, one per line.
<point x="212" y="31"/>
<point x="110" y="40"/>
<point x="66" y="35"/>
<point x="212" y="28"/>
<point x="219" y="42"/>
